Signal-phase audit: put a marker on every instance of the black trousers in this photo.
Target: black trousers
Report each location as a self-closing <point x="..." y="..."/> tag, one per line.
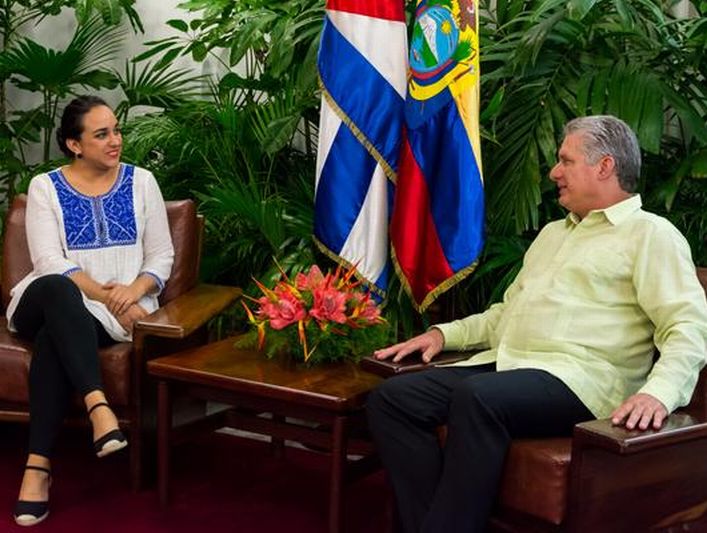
<point x="454" y="488"/>
<point x="66" y="338"/>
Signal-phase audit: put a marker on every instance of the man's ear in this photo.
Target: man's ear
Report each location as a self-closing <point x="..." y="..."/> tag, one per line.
<point x="607" y="167"/>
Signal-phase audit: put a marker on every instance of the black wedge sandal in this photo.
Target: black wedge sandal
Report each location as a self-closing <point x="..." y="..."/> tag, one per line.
<point x="30" y="513"/>
<point x="112" y="441"/>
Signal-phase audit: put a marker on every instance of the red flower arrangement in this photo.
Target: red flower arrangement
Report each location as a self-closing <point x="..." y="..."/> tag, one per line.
<point x="329" y="316"/>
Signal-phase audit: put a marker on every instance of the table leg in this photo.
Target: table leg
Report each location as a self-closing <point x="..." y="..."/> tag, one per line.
<point x="338" y="464"/>
<point x="164" y="428"/>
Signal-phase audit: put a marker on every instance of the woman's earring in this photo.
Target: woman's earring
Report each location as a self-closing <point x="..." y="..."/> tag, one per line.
<point x="79" y="155"/>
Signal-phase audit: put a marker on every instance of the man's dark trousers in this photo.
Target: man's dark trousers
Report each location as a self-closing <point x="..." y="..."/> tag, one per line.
<point x="453" y="488"/>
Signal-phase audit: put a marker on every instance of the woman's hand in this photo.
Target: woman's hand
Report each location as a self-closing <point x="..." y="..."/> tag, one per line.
<point x="119" y="298"/>
<point x="127" y="319"/>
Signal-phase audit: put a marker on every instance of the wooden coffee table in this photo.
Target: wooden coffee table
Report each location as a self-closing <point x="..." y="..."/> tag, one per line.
<point x="330" y="398"/>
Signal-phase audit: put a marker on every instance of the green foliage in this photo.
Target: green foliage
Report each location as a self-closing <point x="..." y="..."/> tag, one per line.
<point x="155" y="87"/>
<point x="258" y="205"/>
<point x="248" y="154"/>
<point x="110" y="11"/>
<point x="544" y="63"/>
<point x="277" y="38"/>
<point x="53" y="74"/>
<point x="56" y="73"/>
<point x="558" y="60"/>
<point x="328" y="346"/>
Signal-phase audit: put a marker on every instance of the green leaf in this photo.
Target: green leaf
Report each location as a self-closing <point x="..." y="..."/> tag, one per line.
<point x="650" y="127"/>
<point x="156" y="87"/>
<point x="233" y="81"/>
<point x="167" y="59"/>
<point x="501" y="10"/>
<point x="546" y="136"/>
<point x="160" y="47"/>
<point x="699" y="165"/>
<point x="198" y="51"/>
<point x="178" y="25"/>
<point x="99" y="79"/>
<point x="111" y="11"/>
<point x="583" y="90"/>
<point x="494" y="106"/>
<point x="133" y="16"/>
<point x="624" y="11"/>
<point x="685" y="111"/>
<point x="599" y="92"/>
<point x="578" y="9"/>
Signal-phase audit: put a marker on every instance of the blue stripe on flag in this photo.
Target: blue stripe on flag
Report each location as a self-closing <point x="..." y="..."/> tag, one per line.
<point x="342" y="188"/>
<point x="442" y="150"/>
<point x="382" y="280"/>
<point x="362" y="93"/>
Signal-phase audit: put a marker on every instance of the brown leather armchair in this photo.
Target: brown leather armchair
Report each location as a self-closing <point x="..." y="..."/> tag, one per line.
<point x="607" y="479"/>
<point x="186" y="307"/>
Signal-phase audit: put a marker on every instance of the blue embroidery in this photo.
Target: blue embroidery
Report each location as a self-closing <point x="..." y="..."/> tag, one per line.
<point x="98" y="221"/>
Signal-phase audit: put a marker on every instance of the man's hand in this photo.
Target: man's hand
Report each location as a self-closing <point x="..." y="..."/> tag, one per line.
<point x="127" y="319"/>
<point x="640" y="411"/>
<point x="429" y="343"/>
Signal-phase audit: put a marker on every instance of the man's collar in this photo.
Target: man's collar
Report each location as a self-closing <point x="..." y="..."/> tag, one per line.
<point x="615" y="214"/>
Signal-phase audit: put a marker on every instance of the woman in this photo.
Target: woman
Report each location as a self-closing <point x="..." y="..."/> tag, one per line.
<point x="101" y="252"/>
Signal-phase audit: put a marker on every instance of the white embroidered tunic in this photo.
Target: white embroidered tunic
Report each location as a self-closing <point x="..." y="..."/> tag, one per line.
<point x="113" y="237"/>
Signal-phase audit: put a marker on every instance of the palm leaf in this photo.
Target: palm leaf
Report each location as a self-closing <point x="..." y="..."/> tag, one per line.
<point x="155" y="87"/>
<point x="275" y="121"/>
<point x="55" y="71"/>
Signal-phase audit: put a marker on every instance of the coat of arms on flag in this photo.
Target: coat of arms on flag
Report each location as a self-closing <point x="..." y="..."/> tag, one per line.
<point x="443" y="47"/>
<point x="437" y="221"/>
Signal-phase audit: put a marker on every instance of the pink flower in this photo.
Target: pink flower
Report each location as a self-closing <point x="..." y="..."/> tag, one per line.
<point x="311" y="281"/>
<point x="329" y="304"/>
<point x="283" y="312"/>
<point x="370" y="312"/>
<point x="319" y="306"/>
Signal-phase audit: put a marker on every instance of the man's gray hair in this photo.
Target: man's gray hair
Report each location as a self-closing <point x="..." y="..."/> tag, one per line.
<point x="606" y="135"/>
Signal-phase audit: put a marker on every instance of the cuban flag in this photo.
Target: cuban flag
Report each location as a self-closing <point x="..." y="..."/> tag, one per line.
<point x="363" y="75"/>
<point x="438" y="214"/>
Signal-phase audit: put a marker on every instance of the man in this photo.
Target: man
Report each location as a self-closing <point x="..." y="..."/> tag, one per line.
<point x="572" y="340"/>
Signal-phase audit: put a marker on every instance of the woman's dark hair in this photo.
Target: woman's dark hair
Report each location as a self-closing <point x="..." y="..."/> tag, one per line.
<point x="71" y="126"/>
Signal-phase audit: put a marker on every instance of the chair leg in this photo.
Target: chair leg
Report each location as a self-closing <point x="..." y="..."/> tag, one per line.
<point x="136" y="460"/>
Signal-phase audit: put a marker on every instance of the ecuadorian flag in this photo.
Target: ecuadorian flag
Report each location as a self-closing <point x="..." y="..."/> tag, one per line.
<point x="363" y="76"/>
<point x="438" y="214"/>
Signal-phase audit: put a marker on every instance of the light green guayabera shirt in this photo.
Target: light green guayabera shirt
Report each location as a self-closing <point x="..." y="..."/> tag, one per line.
<point x="593" y="298"/>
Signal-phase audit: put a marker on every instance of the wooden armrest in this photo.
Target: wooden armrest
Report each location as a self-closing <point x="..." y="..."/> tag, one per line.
<point x="188" y="311"/>
<point x="679" y="427"/>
